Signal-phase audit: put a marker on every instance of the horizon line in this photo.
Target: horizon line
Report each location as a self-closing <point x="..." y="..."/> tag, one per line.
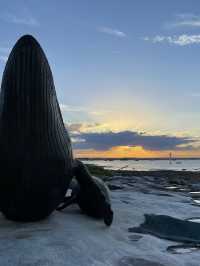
<point x="137" y="158"/>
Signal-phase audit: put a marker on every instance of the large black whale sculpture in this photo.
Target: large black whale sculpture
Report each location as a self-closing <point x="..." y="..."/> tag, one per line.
<point x="36" y="161"/>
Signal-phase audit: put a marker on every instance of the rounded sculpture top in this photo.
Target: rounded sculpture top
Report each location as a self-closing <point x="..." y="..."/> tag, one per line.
<point x="28" y="44"/>
<point x="27" y="38"/>
<point x="25" y="41"/>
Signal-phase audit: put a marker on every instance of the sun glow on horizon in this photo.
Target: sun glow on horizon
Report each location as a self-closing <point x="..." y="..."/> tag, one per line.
<point x="133" y="152"/>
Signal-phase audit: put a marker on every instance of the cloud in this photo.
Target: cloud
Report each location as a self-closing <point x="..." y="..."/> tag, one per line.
<point x="81" y="109"/>
<point x="107" y="140"/>
<point x="78" y="128"/>
<point x="25" y="19"/>
<point x="111" y="31"/>
<point x="185" y="20"/>
<point x="74" y="128"/>
<point x="68" y="108"/>
<point x="4" y="52"/>
<point x="3" y="58"/>
<point x="180" y="40"/>
<point x="179" y="21"/>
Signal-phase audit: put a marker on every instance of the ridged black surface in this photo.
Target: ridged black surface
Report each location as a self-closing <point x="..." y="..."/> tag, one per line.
<point x="35" y="149"/>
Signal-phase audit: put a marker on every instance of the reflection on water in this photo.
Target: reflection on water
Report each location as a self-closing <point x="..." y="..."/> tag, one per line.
<point x="195" y="194"/>
<point x="171" y="187"/>
<point x="146" y="165"/>
<point x="183" y="249"/>
<point x="197" y="201"/>
<point x="195" y="220"/>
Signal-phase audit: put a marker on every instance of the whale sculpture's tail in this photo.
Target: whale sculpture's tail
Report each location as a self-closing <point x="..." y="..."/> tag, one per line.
<point x="35" y="149"/>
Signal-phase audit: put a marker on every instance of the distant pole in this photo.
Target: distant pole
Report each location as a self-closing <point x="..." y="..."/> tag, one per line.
<point x="170" y="158"/>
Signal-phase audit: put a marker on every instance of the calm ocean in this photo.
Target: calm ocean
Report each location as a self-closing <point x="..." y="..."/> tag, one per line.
<point x="178" y="164"/>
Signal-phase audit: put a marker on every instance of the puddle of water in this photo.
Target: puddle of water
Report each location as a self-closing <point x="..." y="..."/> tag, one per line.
<point x="124" y="201"/>
<point x="135" y="237"/>
<point x="195" y="194"/>
<point x="183" y="249"/>
<point x="194" y="219"/>
<point x="184" y="189"/>
<point x="172" y="187"/>
<point x="197" y="201"/>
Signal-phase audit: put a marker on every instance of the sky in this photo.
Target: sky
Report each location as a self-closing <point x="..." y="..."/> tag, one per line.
<point x="126" y="72"/>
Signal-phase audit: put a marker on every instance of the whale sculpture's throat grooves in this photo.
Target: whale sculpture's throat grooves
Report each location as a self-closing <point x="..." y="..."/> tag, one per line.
<point x="35" y="149"/>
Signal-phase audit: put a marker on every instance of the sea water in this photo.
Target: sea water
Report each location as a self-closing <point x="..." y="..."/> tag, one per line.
<point x="146" y="165"/>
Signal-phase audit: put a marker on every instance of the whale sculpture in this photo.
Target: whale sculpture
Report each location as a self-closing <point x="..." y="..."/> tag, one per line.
<point x="36" y="159"/>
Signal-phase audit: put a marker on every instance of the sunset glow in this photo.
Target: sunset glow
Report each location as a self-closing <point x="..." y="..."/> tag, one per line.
<point x="136" y="152"/>
<point x="126" y="88"/>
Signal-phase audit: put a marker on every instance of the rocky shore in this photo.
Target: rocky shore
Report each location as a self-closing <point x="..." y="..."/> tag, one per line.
<point x="161" y="179"/>
<point x="71" y="238"/>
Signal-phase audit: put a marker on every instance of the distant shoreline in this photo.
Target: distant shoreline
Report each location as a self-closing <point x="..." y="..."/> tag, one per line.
<point x="172" y="177"/>
<point x="137" y="159"/>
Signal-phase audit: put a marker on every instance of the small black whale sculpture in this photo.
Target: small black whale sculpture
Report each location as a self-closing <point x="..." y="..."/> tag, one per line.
<point x="36" y="158"/>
